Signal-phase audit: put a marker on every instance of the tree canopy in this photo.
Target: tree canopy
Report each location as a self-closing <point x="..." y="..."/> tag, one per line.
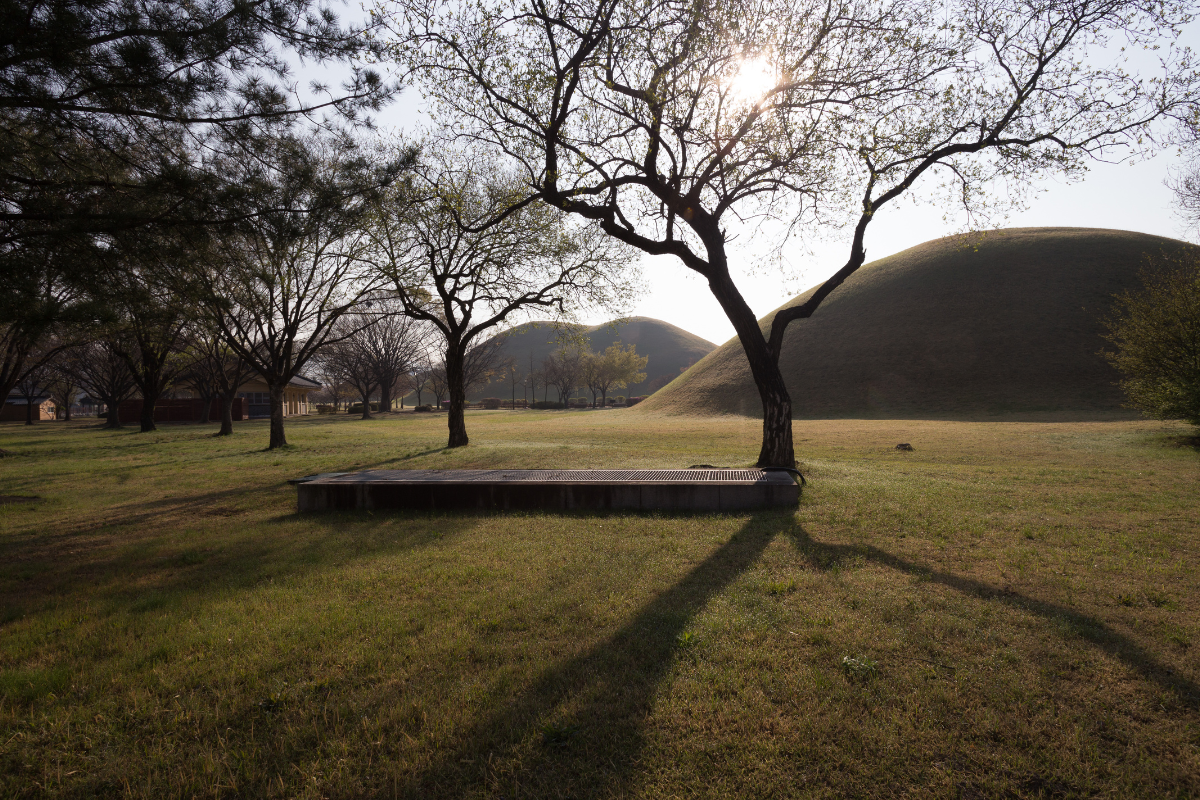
<point x="670" y="123"/>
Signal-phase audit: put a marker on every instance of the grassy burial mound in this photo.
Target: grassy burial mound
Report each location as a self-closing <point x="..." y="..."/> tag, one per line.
<point x="670" y="349"/>
<point x="969" y="325"/>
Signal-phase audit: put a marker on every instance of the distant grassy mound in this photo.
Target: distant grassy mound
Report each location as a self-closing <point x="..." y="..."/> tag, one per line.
<point x="999" y="323"/>
<point x="670" y="349"/>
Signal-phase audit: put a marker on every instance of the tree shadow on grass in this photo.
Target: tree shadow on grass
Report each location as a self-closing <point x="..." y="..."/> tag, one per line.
<point x="1084" y="627"/>
<point x="576" y="729"/>
<point x="40" y="566"/>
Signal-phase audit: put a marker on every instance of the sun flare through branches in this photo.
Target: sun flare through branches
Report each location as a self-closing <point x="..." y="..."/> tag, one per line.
<point x="752" y="79"/>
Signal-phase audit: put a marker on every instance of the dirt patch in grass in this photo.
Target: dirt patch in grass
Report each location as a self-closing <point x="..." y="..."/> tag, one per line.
<point x="1008" y="610"/>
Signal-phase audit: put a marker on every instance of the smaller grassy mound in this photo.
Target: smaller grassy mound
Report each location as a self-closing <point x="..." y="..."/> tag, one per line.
<point x="671" y="350"/>
<point x="971" y="325"/>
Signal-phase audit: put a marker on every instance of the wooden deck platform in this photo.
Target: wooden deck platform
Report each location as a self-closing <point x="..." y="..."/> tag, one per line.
<point x="560" y="489"/>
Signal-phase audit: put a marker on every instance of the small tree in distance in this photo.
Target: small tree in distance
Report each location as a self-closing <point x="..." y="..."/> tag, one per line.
<point x="1156" y="332"/>
<point x="564" y="370"/>
<point x="465" y="255"/>
<point x="103" y="374"/>
<point x="616" y="368"/>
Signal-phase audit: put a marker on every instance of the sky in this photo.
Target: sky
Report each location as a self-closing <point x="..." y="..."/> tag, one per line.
<point x="1127" y="196"/>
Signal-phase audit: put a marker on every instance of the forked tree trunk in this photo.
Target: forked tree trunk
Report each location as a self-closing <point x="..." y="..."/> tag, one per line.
<point x="278" y="439"/>
<point x="113" y="417"/>
<point x="777" y="449"/>
<point x="366" y="403"/>
<point x="458" y="396"/>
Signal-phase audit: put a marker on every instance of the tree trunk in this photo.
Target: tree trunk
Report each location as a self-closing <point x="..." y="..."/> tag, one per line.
<point x="147" y="419"/>
<point x="29" y="411"/>
<point x="278" y="439"/>
<point x="227" y="414"/>
<point x="206" y="412"/>
<point x="458" y="396"/>
<point x="777" y="449"/>
<point x="113" y="416"/>
<point x="385" y="397"/>
<point x="366" y="403"/>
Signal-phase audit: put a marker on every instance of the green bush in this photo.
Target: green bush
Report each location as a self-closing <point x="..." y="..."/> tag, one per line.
<point x="426" y="409"/>
<point x="547" y="404"/>
<point x="1157" y="335"/>
<point x="491" y="402"/>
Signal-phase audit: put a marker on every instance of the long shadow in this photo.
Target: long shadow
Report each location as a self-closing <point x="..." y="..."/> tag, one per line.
<point x="63" y="558"/>
<point x="576" y="730"/>
<point x="401" y="459"/>
<point x="1083" y="626"/>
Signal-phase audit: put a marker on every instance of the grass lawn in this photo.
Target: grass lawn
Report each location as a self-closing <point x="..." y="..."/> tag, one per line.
<point x="1010" y="610"/>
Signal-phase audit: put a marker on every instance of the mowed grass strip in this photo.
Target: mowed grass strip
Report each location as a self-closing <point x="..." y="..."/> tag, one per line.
<point x="1008" y="610"/>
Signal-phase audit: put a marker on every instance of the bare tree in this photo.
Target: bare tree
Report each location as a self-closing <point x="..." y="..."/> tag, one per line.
<point x="668" y="123"/>
<point x="280" y="282"/>
<point x="147" y="332"/>
<point x="32" y="386"/>
<point x="511" y="369"/>
<point x="348" y="358"/>
<point x="37" y="306"/>
<point x="532" y="377"/>
<point x="564" y="370"/>
<point x="438" y="384"/>
<point x="482" y="362"/>
<point x="216" y="370"/>
<point x="103" y="374"/>
<point x="393" y="343"/>
<point x="419" y="378"/>
<point x="464" y="259"/>
<point x="62" y="386"/>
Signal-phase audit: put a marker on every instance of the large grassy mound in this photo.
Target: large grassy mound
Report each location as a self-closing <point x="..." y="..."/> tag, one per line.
<point x="671" y="350"/>
<point x="1004" y="322"/>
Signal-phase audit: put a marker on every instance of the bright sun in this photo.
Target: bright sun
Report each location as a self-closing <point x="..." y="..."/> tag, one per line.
<point x="753" y="79"/>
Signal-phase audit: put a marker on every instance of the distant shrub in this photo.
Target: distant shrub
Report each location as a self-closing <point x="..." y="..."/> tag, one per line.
<point x="491" y="402"/>
<point x="620" y="399"/>
<point x="633" y="401"/>
<point x="547" y="404"/>
<point x="325" y="408"/>
<point x="423" y="409"/>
